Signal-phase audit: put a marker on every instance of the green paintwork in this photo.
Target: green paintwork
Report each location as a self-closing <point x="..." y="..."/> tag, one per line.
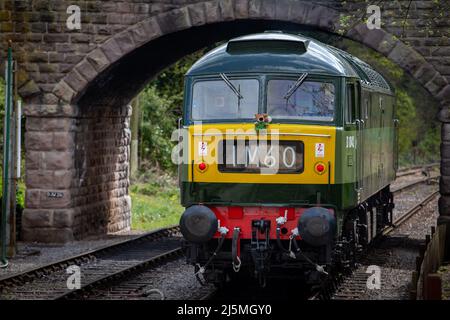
<point x="248" y="194"/>
<point x="318" y="59"/>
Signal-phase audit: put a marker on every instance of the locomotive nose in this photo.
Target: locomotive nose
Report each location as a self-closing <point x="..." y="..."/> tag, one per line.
<point x="317" y="226"/>
<point x="198" y="224"/>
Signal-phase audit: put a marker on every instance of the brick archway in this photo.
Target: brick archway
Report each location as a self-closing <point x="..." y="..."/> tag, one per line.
<point x="79" y="146"/>
<point x="203" y="13"/>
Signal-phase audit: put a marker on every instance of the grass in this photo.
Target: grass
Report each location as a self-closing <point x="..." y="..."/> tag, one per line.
<point x="443" y="270"/>
<point x="155" y="204"/>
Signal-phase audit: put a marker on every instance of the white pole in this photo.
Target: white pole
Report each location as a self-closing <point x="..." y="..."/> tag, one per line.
<point x="19" y="137"/>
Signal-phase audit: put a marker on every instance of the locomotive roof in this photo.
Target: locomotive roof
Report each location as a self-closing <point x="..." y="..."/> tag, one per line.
<point x="283" y="52"/>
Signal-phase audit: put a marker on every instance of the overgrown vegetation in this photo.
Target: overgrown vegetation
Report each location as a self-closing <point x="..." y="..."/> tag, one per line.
<point x="159" y="118"/>
<point x="161" y="106"/>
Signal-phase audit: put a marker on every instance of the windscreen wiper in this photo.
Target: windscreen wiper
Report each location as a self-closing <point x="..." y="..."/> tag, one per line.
<point x="231" y="86"/>
<point x="296" y="85"/>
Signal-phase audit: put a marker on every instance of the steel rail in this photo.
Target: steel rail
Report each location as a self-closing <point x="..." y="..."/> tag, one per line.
<point x="27" y="275"/>
<point x="419" y="166"/>
<point x="411" y="212"/>
<point x="119" y="275"/>
<point x="414" y="183"/>
<point x="415" y="169"/>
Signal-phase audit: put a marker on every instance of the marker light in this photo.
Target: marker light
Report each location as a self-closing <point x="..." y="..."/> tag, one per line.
<point x="320" y="168"/>
<point x="202" y="166"/>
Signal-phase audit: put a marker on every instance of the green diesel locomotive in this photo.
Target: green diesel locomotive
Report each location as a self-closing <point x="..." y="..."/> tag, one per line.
<point x="289" y="148"/>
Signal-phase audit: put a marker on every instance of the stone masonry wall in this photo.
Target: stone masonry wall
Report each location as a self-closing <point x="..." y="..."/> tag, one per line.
<point x="77" y="175"/>
<point x="101" y="198"/>
<point x="47" y="50"/>
<point x="50" y="168"/>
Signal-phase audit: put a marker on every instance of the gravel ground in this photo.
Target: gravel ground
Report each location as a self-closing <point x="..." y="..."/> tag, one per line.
<point x="445" y="274"/>
<point x="405" y="200"/>
<point x="32" y="255"/>
<point x="396" y="273"/>
<point x="172" y="281"/>
<point x="396" y="258"/>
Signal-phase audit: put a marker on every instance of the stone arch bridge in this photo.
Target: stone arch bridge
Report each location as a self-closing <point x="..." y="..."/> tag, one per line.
<point x="76" y="84"/>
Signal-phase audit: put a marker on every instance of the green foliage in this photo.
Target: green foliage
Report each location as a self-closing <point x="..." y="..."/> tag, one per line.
<point x="20" y="196"/>
<point x="170" y="83"/>
<point x="428" y="149"/>
<point x="161" y="105"/>
<point x="406" y="112"/>
<point x="154" y="193"/>
<point x="158" y="121"/>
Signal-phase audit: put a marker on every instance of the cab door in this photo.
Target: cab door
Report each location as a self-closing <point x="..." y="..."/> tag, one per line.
<point x="355" y="139"/>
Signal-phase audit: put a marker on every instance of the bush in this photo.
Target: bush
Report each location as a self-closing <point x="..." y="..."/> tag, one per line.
<point x="158" y="122"/>
<point x="161" y="105"/>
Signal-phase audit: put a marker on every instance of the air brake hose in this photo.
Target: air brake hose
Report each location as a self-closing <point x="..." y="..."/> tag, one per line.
<point x="202" y="269"/>
<point x="297" y="250"/>
<point x="280" y="245"/>
<point x="296" y="247"/>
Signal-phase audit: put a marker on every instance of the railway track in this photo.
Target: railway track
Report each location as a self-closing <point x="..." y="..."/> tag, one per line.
<point x="97" y="267"/>
<point x="416" y="169"/>
<point x="170" y="279"/>
<point x="428" y="180"/>
<point x="123" y="270"/>
<point x="354" y="286"/>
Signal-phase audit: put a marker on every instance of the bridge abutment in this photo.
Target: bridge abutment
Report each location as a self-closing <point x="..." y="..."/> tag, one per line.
<point x="444" y="183"/>
<point x="77" y="173"/>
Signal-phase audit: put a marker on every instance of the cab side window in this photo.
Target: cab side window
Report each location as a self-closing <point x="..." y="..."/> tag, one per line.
<point x="350" y="113"/>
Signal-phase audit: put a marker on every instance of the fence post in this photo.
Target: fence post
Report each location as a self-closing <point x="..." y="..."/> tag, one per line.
<point x="414" y="281"/>
<point x="433" y="287"/>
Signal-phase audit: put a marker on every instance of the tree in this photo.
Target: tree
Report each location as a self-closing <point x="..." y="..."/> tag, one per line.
<point x="135" y="123"/>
